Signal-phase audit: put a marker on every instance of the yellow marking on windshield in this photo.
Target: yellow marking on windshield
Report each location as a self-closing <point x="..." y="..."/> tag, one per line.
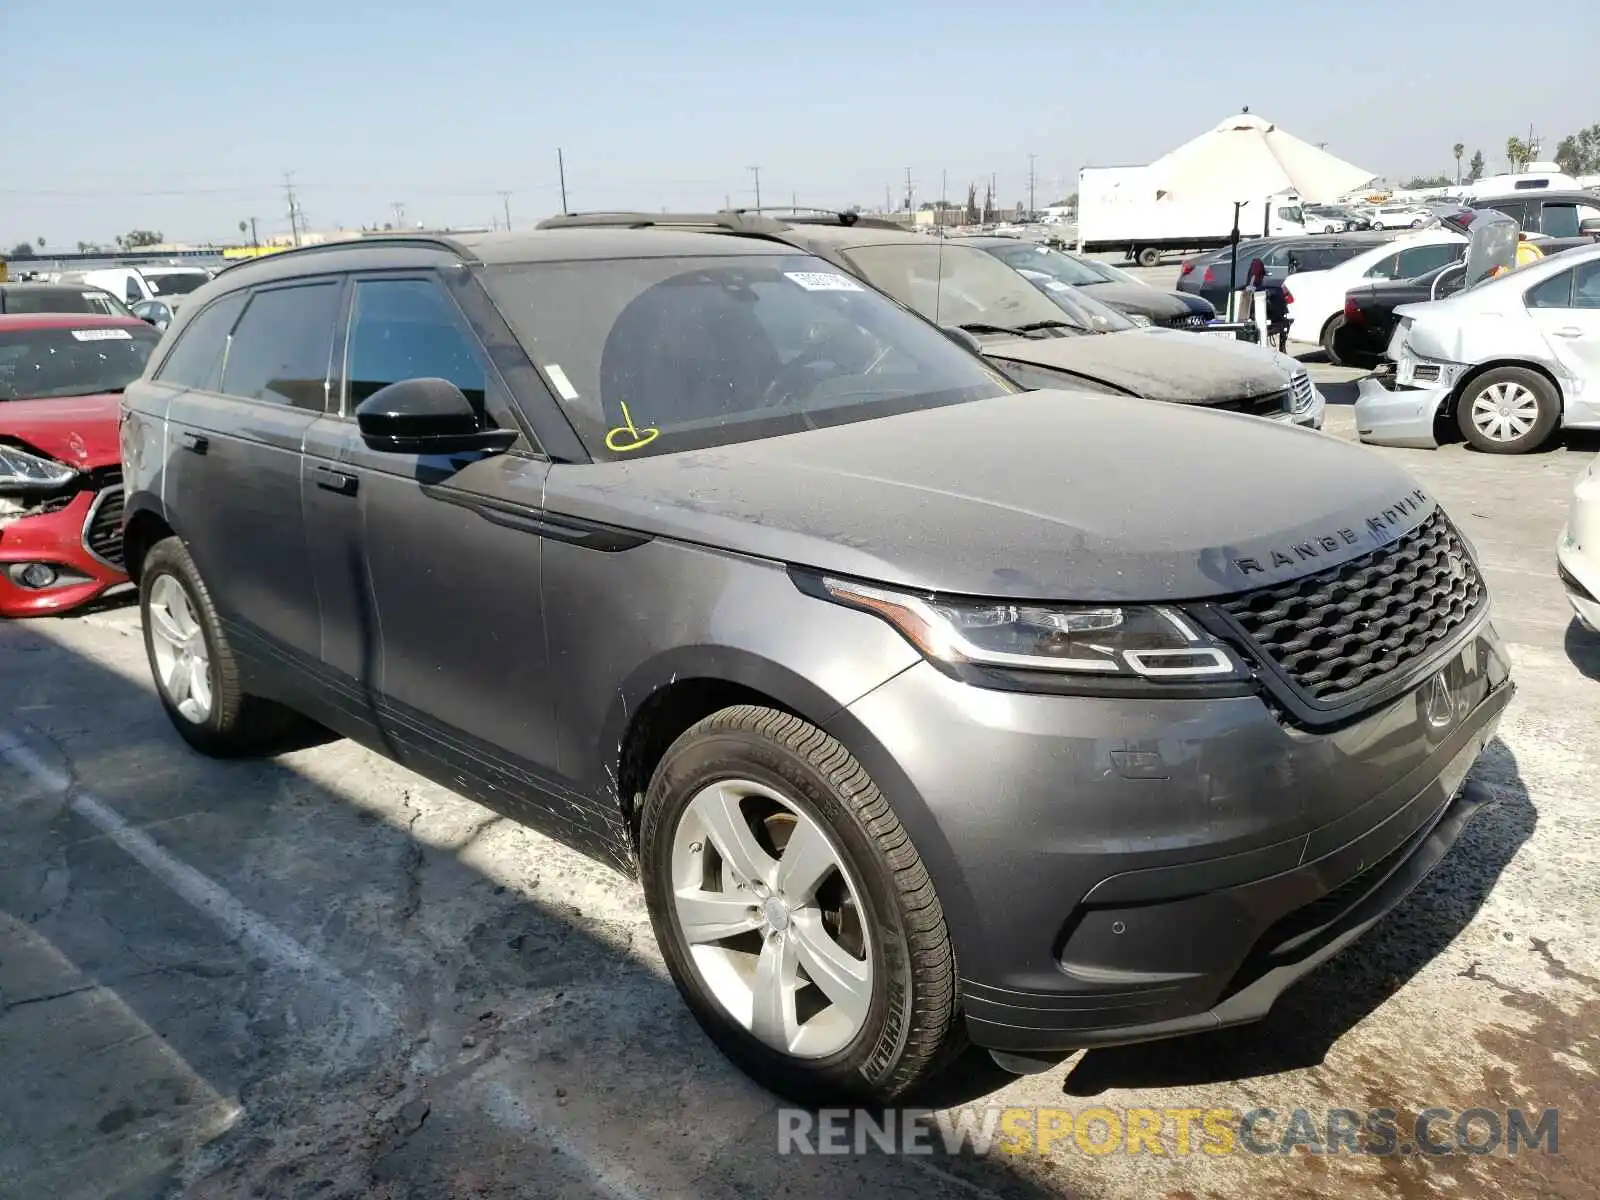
<point x="630" y="437"/>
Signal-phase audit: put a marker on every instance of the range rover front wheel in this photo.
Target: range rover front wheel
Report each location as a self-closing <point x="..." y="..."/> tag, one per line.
<point x="193" y="665"/>
<point x="794" y="913"/>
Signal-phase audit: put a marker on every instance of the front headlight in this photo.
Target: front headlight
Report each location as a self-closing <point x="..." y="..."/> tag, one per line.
<point x="1148" y="641"/>
<point x="24" y="472"/>
<point x="1138" y="319"/>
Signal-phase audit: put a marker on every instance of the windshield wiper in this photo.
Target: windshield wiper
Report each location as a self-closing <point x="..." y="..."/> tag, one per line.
<point x="985" y="327"/>
<point x="1034" y="326"/>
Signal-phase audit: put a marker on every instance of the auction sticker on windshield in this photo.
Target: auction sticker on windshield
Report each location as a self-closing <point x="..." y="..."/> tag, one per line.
<point x="102" y="335"/>
<point x="823" y="281"/>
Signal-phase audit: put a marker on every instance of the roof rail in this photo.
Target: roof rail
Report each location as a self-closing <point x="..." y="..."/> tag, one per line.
<point x="734" y="221"/>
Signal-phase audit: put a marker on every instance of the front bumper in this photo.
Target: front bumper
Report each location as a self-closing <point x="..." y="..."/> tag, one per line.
<point x="1578" y="551"/>
<point x="60" y="540"/>
<point x="1116" y="870"/>
<point x="1390" y="415"/>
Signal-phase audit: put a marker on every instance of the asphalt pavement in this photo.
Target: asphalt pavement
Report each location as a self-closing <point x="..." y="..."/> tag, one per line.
<point x="319" y="975"/>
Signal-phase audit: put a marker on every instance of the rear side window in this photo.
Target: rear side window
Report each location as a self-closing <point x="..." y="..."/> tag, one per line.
<point x="1385" y="268"/>
<point x="1419" y="260"/>
<point x="1555" y="292"/>
<point x="280" y="348"/>
<point x="1586" y="286"/>
<point x="196" y="361"/>
<point x="409" y="329"/>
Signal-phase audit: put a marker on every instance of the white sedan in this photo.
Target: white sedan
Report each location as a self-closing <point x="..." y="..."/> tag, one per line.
<point x="1316" y="298"/>
<point x="1578" y="551"/>
<point x="1510" y="359"/>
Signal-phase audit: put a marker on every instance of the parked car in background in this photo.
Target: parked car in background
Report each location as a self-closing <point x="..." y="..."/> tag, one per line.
<point x="1356" y="220"/>
<point x="1134" y="299"/>
<point x="1316" y="298"/>
<point x="1207" y="275"/>
<point x="1400" y="216"/>
<point x="1057" y="338"/>
<point x="61" y="379"/>
<point x="1510" y="359"/>
<point x="1578" y="549"/>
<point x="166" y="282"/>
<point x="1556" y="220"/>
<point x="1369" y="318"/>
<point x="23" y="298"/>
<point x="1321" y="219"/>
<point x="923" y="713"/>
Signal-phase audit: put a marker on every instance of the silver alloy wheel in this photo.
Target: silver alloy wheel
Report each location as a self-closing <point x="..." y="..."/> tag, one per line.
<point x="1504" y="412"/>
<point x="183" y="663"/>
<point x="772" y="917"/>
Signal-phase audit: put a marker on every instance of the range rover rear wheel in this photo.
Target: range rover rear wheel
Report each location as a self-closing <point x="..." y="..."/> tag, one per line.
<point x="794" y="913"/>
<point x="195" y="673"/>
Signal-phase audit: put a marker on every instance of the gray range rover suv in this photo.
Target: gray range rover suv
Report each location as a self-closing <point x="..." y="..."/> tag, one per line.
<point x="923" y="706"/>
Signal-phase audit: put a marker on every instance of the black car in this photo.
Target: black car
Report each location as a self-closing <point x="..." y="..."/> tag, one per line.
<point x="1563" y="219"/>
<point x="1051" y="265"/>
<point x="1362" y="336"/>
<point x="1207" y="275"/>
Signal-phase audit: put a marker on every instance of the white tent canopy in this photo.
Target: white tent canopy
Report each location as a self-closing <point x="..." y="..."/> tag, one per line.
<point x="1248" y="158"/>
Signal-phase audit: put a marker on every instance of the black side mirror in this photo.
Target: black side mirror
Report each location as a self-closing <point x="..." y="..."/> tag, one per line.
<point x="426" y="416"/>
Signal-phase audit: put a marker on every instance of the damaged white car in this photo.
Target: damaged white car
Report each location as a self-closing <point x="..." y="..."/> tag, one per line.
<point x="1506" y="360"/>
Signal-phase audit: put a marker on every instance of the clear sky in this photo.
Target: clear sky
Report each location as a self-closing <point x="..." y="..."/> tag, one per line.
<point x="183" y="116"/>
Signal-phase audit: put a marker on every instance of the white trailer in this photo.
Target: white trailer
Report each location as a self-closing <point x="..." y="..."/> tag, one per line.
<point x="1125" y="208"/>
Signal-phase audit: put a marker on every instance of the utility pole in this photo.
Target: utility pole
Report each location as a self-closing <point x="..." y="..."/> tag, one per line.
<point x="505" y="199"/>
<point x="399" y="208"/>
<point x="294" y="207"/>
<point x="1032" y="207"/>
<point x="561" y="166"/>
<point x="255" y="242"/>
<point x="756" y="171"/>
<point x="944" y="190"/>
<point x="794" y="202"/>
<point x="908" y="189"/>
<point x="888" y="202"/>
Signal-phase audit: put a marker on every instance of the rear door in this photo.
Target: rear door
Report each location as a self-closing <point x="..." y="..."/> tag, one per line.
<point x="234" y="468"/>
<point x="1566" y="308"/>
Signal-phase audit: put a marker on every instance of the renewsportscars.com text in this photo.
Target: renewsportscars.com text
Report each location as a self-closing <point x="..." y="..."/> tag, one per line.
<point x="1099" y="1131"/>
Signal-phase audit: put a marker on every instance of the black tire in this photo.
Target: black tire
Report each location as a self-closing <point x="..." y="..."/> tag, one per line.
<point x="1544" y="392"/>
<point x="1417" y="224"/>
<point x="1148" y="256"/>
<point x="1330" y="342"/>
<point x="238" y="724"/>
<point x="1377" y="225"/>
<point x="900" y="1044"/>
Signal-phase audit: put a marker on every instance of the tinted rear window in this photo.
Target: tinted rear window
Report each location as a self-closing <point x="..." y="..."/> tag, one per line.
<point x="51" y="363"/>
<point x="196" y="361"/>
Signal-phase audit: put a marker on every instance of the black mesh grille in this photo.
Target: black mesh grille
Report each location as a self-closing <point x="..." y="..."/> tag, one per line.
<point x="103" y="534"/>
<point x="1273" y="404"/>
<point x="1341" y="629"/>
<point x="1188" y="321"/>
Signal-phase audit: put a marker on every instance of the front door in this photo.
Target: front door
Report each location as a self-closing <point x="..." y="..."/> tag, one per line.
<point x="435" y="612"/>
<point x="234" y="461"/>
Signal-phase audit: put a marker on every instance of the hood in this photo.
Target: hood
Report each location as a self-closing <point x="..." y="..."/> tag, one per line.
<point x="1038" y="495"/>
<point x="1160" y="307"/>
<point x="1158" y="364"/>
<point x="81" y="431"/>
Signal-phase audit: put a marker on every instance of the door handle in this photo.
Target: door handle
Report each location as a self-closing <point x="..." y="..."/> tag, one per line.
<point x="1569" y="332"/>
<point x="195" y="441"/>
<point x="330" y="480"/>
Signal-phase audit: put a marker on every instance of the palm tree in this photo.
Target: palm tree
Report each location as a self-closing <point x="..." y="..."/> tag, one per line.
<point x="41" y="242"/>
<point x="1458" y="150"/>
<point x="1518" y="153"/>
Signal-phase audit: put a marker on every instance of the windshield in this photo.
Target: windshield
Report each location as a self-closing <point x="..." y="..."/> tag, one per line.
<point x="1058" y="276"/>
<point x="962" y="286"/>
<point x="45" y="363"/>
<point x="652" y="356"/>
<point x="175" y="283"/>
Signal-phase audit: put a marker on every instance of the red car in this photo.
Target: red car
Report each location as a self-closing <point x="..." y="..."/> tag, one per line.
<point x="61" y="379"/>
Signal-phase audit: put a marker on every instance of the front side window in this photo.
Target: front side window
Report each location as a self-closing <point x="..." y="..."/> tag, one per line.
<point x="408" y="329"/>
<point x="41" y="364"/>
<point x="1517" y="210"/>
<point x="196" y="361"/>
<point x="280" y="347"/>
<point x="652" y="356"/>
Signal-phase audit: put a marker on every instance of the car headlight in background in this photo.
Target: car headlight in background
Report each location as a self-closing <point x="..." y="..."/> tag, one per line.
<point x="24" y="472"/>
<point x="1138" y="319"/>
<point x="1149" y="641"/>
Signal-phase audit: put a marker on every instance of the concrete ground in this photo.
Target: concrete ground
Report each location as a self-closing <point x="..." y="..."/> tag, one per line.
<point x="320" y="976"/>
